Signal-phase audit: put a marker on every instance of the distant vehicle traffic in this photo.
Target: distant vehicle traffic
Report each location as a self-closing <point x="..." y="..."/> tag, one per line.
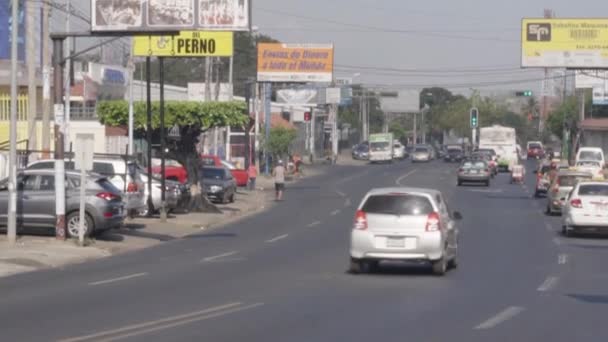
<point x="474" y="171"/>
<point x="586" y="209"/>
<point x="398" y="150"/>
<point x="454" y="154"/>
<point x="361" y="151"/>
<point x="381" y="147"/>
<point x="404" y="224"/>
<point x="36" y="202"/>
<point x="591" y="154"/>
<point x="421" y="154"/>
<point x="503" y="141"/>
<point x="535" y="150"/>
<point x="487" y="156"/>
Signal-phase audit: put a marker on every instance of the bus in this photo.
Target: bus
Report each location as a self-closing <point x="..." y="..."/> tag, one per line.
<point x="503" y="141"/>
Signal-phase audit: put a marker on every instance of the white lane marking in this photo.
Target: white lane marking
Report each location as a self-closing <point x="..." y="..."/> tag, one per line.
<point x="341" y="194"/>
<point x="316" y="223"/>
<point x="335" y="212"/>
<point x="501" y="317"/>
<point x="548" y="226"/>
<point x="280" y="237"/>
<point x="562" y="259"/>
<point x="548" y="284"/>
<point x="347" y="203"/>
<point x="113" y="280"/>
<point x="215" y="257"/>
<point x="398" y="181"/>
<point x="489" y="191"/>
<point x="557" y="241"/>
<point x="130" y="328"/>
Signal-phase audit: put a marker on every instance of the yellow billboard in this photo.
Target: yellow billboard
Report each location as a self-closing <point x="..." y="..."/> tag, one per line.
<point x="185" y="44"/>
<point x="564" y="43"/>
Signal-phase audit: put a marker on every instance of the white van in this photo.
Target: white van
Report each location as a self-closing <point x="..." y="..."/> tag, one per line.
<point x="591" y="154"/>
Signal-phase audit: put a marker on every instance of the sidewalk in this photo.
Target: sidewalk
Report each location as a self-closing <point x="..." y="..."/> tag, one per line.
<point x="39" y="252"/>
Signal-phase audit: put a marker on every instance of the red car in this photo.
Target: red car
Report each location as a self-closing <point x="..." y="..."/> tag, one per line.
<point x="176" y="173"/>
<point x="536" y="150"/>
<point x="240" y="175"/>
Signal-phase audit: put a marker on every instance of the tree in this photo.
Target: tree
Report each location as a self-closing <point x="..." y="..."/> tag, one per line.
<point x="193" y="118"/>
<point x="279" y="141"/>
<point x="566" y="115"/>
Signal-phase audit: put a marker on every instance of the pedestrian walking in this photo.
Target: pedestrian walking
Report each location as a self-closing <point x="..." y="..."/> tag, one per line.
<point x="252" y="173"/>
<point x="279" y="180"/>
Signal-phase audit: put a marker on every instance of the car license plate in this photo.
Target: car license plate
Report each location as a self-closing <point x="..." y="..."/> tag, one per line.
<point x="395" y="242"/>
<point x="473" y="172"/>
<point x="601" y="207"/>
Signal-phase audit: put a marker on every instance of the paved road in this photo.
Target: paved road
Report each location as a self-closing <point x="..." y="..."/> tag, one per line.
<point x="281" y="276"/>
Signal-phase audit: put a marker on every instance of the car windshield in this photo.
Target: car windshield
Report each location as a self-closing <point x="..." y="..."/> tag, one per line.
<point x="487" y="151"/>
<point x="588" y="164"/>
<point x="421" y="150"/>
<point x="590" y="155"/>
<point x="380" y="146"/>
<point x="593" y="190"/>
<point x="570" y="180"/>
<point x="454" y="151"/>
<point x="213" y="173"/>
<point x="398" y="204"/>
<point x="535" y="146"/>
<point x="208" y="161"/>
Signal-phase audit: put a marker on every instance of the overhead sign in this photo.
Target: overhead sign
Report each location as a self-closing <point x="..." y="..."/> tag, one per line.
<point x="297" y="96"/>
<point x="600" y="96"/>
<point x="403" y="101"/>
<point x="333" y="95"/>
<point x="565" y="43"/>
<point x="295" y="62"/>
<point x="169" y="15"/>
<point x="185" y="44"/>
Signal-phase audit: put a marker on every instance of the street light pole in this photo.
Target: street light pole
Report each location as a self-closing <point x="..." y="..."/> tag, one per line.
<point x="12" y="180"/>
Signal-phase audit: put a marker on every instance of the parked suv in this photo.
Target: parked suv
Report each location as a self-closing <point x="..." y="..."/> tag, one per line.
<point x="36" y="202"/>
<point x="124" y="175"/>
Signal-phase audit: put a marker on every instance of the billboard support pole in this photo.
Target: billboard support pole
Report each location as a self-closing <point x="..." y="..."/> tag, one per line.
<point x="12" y="182"/>
<point x="163" y="207"/>
<point x="267" y="119"/>
<point x="58" y="94"/>
<point x="149" y="135"/>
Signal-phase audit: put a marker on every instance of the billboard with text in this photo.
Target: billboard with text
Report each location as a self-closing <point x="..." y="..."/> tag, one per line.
<point x="564" y="43"/>
<point x="6" y="25"/>
<point x="295" y="62"/>
<point x="169" y="15"/>
<point x="185" y="44"/>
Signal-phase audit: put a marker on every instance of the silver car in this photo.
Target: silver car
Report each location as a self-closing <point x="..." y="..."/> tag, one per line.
<point x="36" y="202"/>
<point x="421" y="154"/>
<point x="561" y="186"/>
<point x="404" y="224"/>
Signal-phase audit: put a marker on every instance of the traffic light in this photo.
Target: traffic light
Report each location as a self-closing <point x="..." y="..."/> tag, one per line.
<point x="307" y="116"/>
<point x="474" y="117"/>
<point x="526" y="93"/>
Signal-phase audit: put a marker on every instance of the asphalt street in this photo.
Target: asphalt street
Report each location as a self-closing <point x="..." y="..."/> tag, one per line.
<point x="282" y="276"/>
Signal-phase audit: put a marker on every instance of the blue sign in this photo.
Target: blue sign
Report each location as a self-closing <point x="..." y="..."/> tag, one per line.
<point x="111" y="76"/>
<point x="6" y="26"/>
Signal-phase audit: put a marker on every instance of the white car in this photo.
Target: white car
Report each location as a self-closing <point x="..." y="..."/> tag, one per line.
<point x="398" y="151"/>
<point x="591" y="166"/>
<point x="404" y="224"/>
<point x="586" y="208"/>
<point x="591" y="153"/>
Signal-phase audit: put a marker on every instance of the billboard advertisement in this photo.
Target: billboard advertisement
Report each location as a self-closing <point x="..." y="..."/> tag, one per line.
<point x="564" y="43"/>
<point x="295" y="62"/>
<point x="403" y="101"/>
<point x="169" y="15"/>
<point x="185" y="44"/>
<point x="6" y="24"/>
<point x="587" y="79"/>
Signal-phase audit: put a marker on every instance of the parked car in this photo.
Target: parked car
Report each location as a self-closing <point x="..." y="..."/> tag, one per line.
<point x="561" y="186"/>
<point x="219" y="184"/>
<point x="240" y="175"/>
<point x="173" y="193"/>
<point x="586" y="208"/>
<point x="124" y="175"/>
<point x="173" y="170"/>
<point x="360" y="152"/>
<point x="421" y="154"/>
<point x="474" y="171"/>
<point x="404" y="224"/>
<point x="36" y="202"/>
<point x="454" y="155"/>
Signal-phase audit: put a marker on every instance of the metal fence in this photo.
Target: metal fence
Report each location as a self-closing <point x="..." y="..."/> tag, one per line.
<point x="5" y="107"/>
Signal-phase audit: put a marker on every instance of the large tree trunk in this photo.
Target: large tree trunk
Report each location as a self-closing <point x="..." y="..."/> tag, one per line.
<point x="186" y="153"/>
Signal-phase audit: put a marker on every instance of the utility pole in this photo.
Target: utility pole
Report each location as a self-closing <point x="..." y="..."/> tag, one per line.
<point x="415" y="128"/>
<point x="149" y="133"/>
<point x="12" y="179"/>
<point x="548" y="14"/>
<point x="248" y="98"/>
<point x="59" y="112"/>
<point x="163" y="208"/>
<point x="46" y="77"/>
<point x="68" y="77"/>
<point x="31" y="54"/>
<point x="131" y="111"/>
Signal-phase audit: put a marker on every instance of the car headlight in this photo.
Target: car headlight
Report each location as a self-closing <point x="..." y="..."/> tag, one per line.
<point x="215" y="188"/>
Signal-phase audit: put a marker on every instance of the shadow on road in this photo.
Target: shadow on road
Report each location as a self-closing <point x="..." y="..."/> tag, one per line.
<point x="593" y="299"/>
<point x="212" y="236"/>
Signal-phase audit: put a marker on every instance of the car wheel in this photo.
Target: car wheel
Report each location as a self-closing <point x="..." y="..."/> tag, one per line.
<point x="73" y="224"/>
<point x="233" y="197"/>
<point x="356" y="266"/>
<point x="567" y="232"/>
<point x="536" y="194"/>
<point x="487" y="183"/>
<point x="459" y="183"/>
<point x="440" y="267"/>
<point x="548" y="210"/>
<point x="453" y="263"/>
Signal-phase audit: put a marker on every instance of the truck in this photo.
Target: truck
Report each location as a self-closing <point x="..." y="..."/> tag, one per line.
<point x="381" y="147"/>
<point x="503" y="141"/>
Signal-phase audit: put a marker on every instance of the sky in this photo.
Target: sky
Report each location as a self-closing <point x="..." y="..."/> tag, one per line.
<point x="457" y="44"/>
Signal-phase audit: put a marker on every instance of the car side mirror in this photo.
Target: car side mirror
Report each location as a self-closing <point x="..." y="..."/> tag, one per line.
<point x="457" y="216"/>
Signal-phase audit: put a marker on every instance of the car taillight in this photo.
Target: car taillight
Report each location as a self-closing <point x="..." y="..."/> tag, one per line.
<point x="576" y="203"/>
<point x="461" y="170"/>
<point x="433" y="223"/>
<point x="108" y="196"/>
<point x="360" y="220"/>
<point x="132" y="187"/>
<point x="486" y="170"/>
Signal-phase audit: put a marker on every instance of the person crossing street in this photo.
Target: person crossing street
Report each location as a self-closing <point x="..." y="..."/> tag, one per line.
<point x="279" y="180"/>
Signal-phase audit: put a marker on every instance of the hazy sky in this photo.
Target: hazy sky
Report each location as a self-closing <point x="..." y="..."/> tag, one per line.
<point x="372" y="37"/>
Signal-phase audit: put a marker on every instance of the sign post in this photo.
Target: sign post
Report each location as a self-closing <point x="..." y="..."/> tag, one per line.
<point x="84" y="162"/>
